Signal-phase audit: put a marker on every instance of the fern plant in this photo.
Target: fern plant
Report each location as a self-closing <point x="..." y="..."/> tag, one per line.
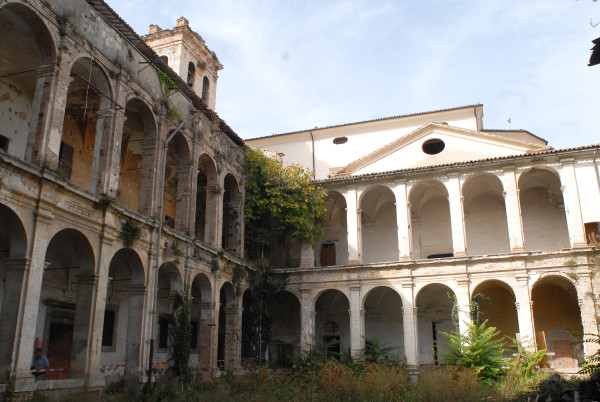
<point x="591" y="364"/>
<point x="477" y="350"/>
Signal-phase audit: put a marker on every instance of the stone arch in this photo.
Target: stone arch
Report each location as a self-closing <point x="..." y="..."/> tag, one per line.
<point x="176" y="182"/>
<point x="383" y="318"/>
<point x="332" y="248"/>
<point x="486" y="226"/>
<point x="28" y="52"/>
<point x="228" y="328"/>
<point x="556" y="318"/>
<point x="430" y="220"/>
<point x="435" y="303"/>
<point x="139" y="134"/>
<point x="202" y="319"/>
<point x="13" y="264"/>
<point x="494" y="300"/>
<point x="206" y="200"/>
<point x="86" y="127"/>
<point x="124" y="312"/>
<point x="286" y="326"/>
<point x="379" y="226"/>
<point x="232" y="215"/>
<point x="543" y="210"/>
<point x="69" y="284"/>
<point x="332" y="322"/>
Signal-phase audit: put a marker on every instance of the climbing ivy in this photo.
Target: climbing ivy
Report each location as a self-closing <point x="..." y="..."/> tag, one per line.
<point x="180" y="329"/>
<point x="280" y="201"/>
<point x="166" y="83"/>
<point x="256" y="315"/>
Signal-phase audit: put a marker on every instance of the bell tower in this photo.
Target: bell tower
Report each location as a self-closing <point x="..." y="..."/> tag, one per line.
<point x="186" y="53"/>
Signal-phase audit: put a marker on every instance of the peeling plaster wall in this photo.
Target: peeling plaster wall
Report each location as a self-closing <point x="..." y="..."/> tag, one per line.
<point x="15" y="111"/>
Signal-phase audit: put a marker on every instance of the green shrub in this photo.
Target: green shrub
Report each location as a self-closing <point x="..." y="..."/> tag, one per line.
<point x="477" y="350"/>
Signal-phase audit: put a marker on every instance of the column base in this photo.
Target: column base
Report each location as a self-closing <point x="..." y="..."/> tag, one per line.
<point x="354" y="262"/>
<point x="517" y="249"/>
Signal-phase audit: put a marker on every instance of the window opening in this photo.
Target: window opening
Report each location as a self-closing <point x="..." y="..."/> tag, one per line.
<point x="108" y="331"/>
<point x="163" y="332"/>
<point x="3" y="143"/>
<point x="191" y="74"/>
<point x="340" y="140"/>
<point x="440" y="255"/>
<point x="434" y="146"/>
<point x="194" y="335"/>
<point x="592" y="232"/>
<point x="205" y="87"/>
<point x="65" y="160"/>
<point x="331" y="328"/>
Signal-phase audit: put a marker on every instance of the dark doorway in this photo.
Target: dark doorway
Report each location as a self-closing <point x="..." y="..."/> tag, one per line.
<point x="333" y="347"/>
<point x="60" y="341"/>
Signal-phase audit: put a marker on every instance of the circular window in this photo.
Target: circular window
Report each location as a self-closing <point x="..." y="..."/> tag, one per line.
<point x="434" y="146"/>
<point x="340" y="140"/>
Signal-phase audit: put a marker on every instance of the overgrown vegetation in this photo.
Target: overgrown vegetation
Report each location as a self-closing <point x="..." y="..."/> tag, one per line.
<point x="477" y="349"/>
<point x="280" y="201"/>
<point x="180" y="328"/>
<point x="256" y="319"/>
<point x="130" y="232"/>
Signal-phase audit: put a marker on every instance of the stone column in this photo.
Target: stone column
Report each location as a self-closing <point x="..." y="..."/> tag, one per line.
<point x="16" y="270"/>
<point x="133" y="349"/>
<point x="233" y="338"/>
<point x="307" y="319"/>
<point x="572" y="204"/>
<point x="409" y="322"/>
<point x="353" y="225"/>
<point x="41" y="112"/>
<point x="32" y="291"/>
<point x="205" y="342"/>
<point x="184" y="174"/>
<point x="356" y="324"/>
<point x="84" y="346"/>
<point x="513" y="209"/>
<point x="463" y="299"/>
<point x="403" y="219"/>
<point x="307" y="254"/>
<point x="456" y="215"/>
<point x="151" y="174"/>
<point x="587" y="307"/>
<point x="524" y="311"/>
<point x="57" y="114"/>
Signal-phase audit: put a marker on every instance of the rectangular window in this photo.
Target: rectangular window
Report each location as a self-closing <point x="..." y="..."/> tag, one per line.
<point x="65" y="160"/>
<point x="108" y="331"/>
<point x="163" y="332"/>
<point x="440" y="255"/>
<point x="4" y="143"/>
<point x="194" y="335"/>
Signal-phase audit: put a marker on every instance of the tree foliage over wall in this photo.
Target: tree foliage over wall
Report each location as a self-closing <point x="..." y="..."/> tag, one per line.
<point x="280" y="201"/>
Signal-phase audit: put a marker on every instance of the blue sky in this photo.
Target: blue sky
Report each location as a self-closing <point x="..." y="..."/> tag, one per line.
<point x="294" y="65"/>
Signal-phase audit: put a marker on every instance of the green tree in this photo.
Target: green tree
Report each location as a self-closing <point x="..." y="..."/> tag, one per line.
<point x="280" y="201"/>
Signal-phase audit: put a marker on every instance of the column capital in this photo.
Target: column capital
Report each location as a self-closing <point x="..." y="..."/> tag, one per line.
<point x="16" y="263"/>
<point x="88" y="279"/>
<point x="137" y="289"/>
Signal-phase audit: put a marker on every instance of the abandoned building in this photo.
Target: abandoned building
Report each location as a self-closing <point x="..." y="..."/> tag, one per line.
<point x="430" y="212"/>
<point x="120" y="185"/>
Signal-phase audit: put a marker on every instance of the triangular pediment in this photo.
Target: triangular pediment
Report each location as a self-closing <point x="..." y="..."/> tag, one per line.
<point x="459" y="145"/>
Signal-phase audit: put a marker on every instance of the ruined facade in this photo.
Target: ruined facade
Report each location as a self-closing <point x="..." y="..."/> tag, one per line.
<point x="119" y="185"/>
<point x="428" y="213"/>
